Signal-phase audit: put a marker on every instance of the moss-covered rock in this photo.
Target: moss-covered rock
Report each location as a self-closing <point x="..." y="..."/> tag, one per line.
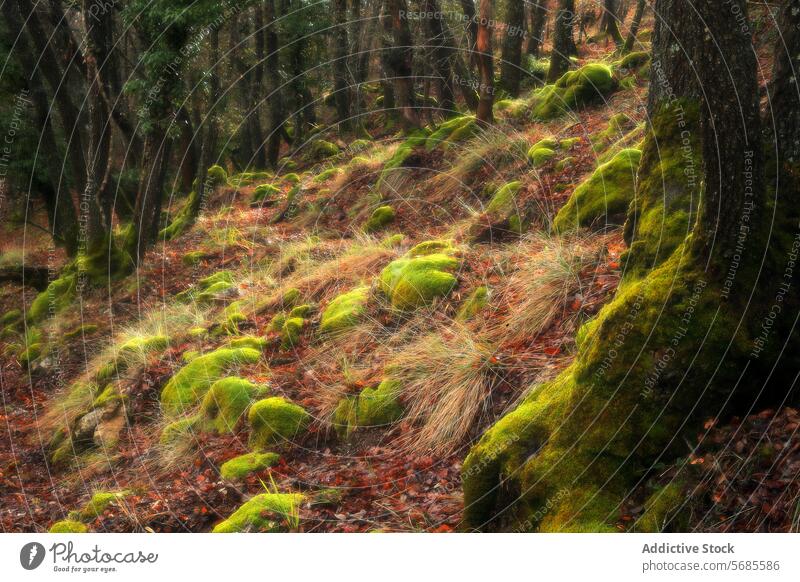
<point x="274" y="420"/>
<point x="81" y="331"/>
<point x="226" y="402"/>
<point x="326" y="175"/>
<point x="291" y="331"/>
<point x="232" y="316"/>
<point x="216" y="176"/>
<point x="374" y="407"/>
<point x="209" y="288"/>
<point x="190" y="384"/>
<point x="573" y="90"/>
<point x="58" y="295"/>
<point x="344" y="311"/>
<point x="134" y="351"/>
<point x="665" y="510"/>
<point x="244" y="465"/>
<point x="181" y="430"/>
<point x="98" y="504"/>
<point x="401" y="154"/>
<point x="452" y="131"/>
<point x="380" y="218"/>
<point x="248" y="341"/>
<point x="265" y="513"/>
<point x="321" y="149"/>
<point x="603" y="199"/>
<point x="265" y="193"/>
<point x="423" y="274"/>
<point x="68" y="526"/>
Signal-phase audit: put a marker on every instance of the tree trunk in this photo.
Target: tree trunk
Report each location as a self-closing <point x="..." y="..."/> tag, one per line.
<point x="485" y="59"/>
<point x="275" y="99"/>
<point x="511" y="61"/>
<point x="608" y="23"/>
<point x="441" y="41"/>
<point x="538" y="19"/>
<point x="669" y="350"/>
<point x="634" y="29"/>
<point x="341" y="77"/>
<point x="468" y="7"/>
<point x="562" y="40"/>
<point x="401" y="64"/>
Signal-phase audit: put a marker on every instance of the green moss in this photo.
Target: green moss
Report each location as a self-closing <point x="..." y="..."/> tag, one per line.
<point x="268" y="512"/>
<point x="274" y="420"/>
<point x="187" y="387"/>
<point x="58" y="295"/>
<point x="321" y="149"/>
<point x="561" y="165"/>
<point x="276" y="323"/>
<point x="401" y="154"/>
<point x="540" y="156"/>
<point x="291" y="330"/>
<point x="604" y="198"/>
<point x="226" y="402"/>
<point x="11" y="316"/>
<point x="248" y="341"/>
<point x="194" y="258"/>
<point x="232" y="317"/>
<point x="430" y="247"/>
<point x="380" y="218"/>
<point x="618" y="388"/>
<point x="217" y="176"/>
<point x="109" y="395"/>
<point x="132" y="352"/>
<point x="326" y="175"/>
<point x="374" y="407"/>
<point x="573" y="90"/>
<point x="265" y="192"/>
<point x="633" y="61"/>
<point x="665" y="511"/>
<point x="344" y="311"/>
<point x="301" y="310"/>
<point x="291" y="178"/>
<point x="208" y="288"/>
<point x="68" y="526"/>
<point x="504" y="200"/>
<point x="452" y="131"/>
<point x="180" y="430"/>
<point x="394" y="240"/>
<point x="240" y="467"/>
<point x="474" y="304"/>
<point x="569" y="143"/>
<point x="419" y="277"/>
<point x="668" y="189"/>
<point x="99" y="503"/>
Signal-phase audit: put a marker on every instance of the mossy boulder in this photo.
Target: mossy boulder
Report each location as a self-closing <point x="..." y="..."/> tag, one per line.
<point x="226" y="402"/>
<point x="248" y="341"/>
<point x="240" y="467"/>
<point x="451" y="131"/>
<point x="291" y="330"/>
<point x="190" y="384"/>
<point x="344" y="311"/>
<point x="194" y="258"/>
<point x="209" y="288"/>
<point x="419" y="277"/>
<point x="216" y="176"/>
<point x="265" y="193"/>
<point x="603" y="199"/>
<point x="58" y="295"/>
<point x="326" y="175"/>
<point x="275" y="420"/>
<point x="232" y="317"/>
<point x="374" y="407"/>
<point x="474" y="304"/>
<point x="573" y="90"/>
<point x="380" y="218"/>
<point x="134" y="351"/>
<point x="401" y="154"/>
<point x="68" y="526"/>
<point x="321" y="149"/>
<point x="665" y="510"/>
<point x="265" y="513"/>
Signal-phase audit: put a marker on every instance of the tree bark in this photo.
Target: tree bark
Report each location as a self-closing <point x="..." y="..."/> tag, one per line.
<point x="401" y="60"/>
<point x="634" y="29"/>
<point x="538" y="19"/>
<point x="511" y="61"/>
<point x="483" y="49"/>
<point x="275" y="99"/>
<point x="342" y="91"/>
<point x="443" y="49"/>
<point x="562" y="40"/>
<point x="608" y="23"/>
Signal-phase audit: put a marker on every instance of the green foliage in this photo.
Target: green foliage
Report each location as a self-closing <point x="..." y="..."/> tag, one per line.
<point x="374" y="407"/>
<point x="344" y="311"/>
<point x="420" y="276"/>
<point x="187" y="387"/>
<point x="573" y="90"/>
<point x="226" y="402"/>
<point x="603" y="199"/>
<point x="68" y="526"/>
<point x="380" y="218"/>
<point x="240" y="467"/>
<point x="274" y="420"/>
<point x="266" y="513"/>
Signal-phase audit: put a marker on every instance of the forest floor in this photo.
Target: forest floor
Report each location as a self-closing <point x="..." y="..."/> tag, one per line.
<point x="376" y="478"/>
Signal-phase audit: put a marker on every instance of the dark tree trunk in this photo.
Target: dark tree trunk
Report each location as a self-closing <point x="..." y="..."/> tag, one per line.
<point x="511" y="60"/>
<point x="562" y="40"/>
<point x="784" y="103"/>
<point x="538" y="19"/>
<point x="58" y="201"/>
<point x="387" y="44"/>
<point x="470" y="16"/>
<point x="47" y="66"/>
<point x="341" y="77"/>
<point x="275" y="98"/>
<point x="255" y="86"/>
<point x="634" y="29"/>
<point x="401" y="61"/>
<point x="441" y="41"/>
<point x="483" y="49"/>
<point x="609" y="22"/>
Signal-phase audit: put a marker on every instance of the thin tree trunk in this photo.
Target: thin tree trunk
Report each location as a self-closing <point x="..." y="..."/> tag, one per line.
<point x="275" y="100"/>
<point x="401" y="62"/>
<point x="341" y="77"/>
<point x="511" y="61"/>
<point x="562" y="41"/>
<point x="538" y="19"/>
<point x="608" y="23"/>
<point x="468" y="7"/>
<point x="634" y="29"/>
<point x="483" y="49"/>
<point x="443" y="49"/>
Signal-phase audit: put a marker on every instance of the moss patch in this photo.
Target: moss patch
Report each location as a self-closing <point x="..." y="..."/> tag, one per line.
<point x="291" y="329"/>
<point x="208" y="288"/>
<point x="186" y="388"/>
<point x="344" y="311"/>
<point x="269" y="512"/>
<point x="68" y="526"/>
<point x="374" y="407"/>
<point x="573" y="90"/>
<point x="603" y="199"/>
<point x="474" y="304"/>
<point x="417" y="279"/>
<point x="243" y="465"/>
<point x="380" y="218"/>
<point x="264" y="193"/>
<point x="226" y="402"/>
<point x="99" y="503"/>
<point x="58" y="295"/>
<point x="274" y="420"/>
